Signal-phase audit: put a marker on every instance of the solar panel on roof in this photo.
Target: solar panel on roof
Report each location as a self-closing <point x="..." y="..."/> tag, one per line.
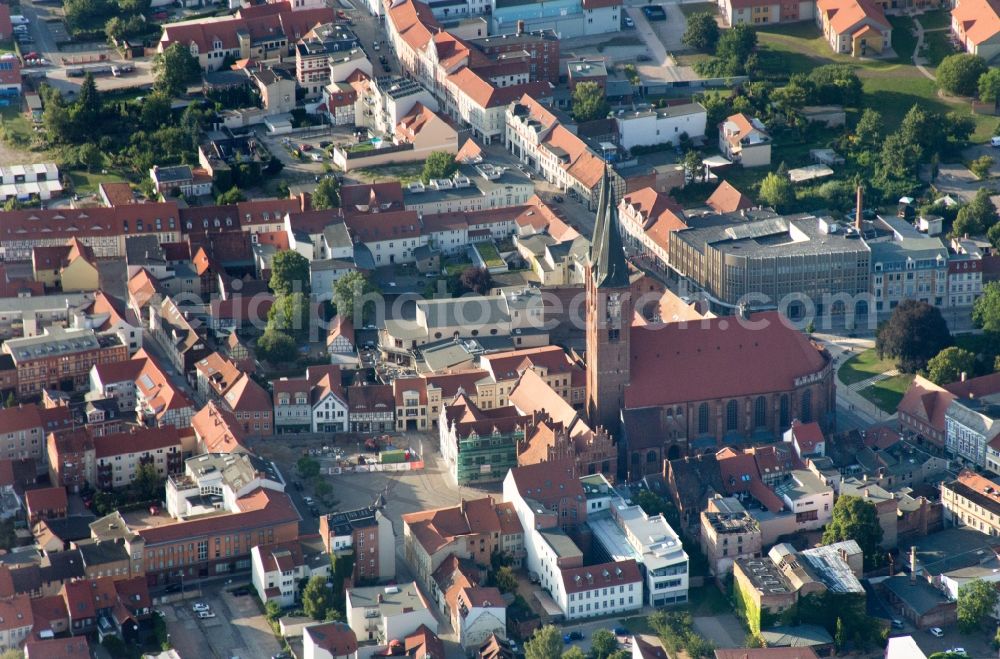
<point x="757" y="229"/>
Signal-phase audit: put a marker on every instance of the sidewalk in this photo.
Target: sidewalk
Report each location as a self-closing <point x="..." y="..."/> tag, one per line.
<point x="842" y="349"/>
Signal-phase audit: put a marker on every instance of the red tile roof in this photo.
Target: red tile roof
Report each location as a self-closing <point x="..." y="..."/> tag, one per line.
<point x="65" y="223"/>
<point x="770" y="360"/>
<point x="605" y="575"/>
<point x="292" y="25"/>
<point x="487" y="95"/>
<point x="414" y="22"/>
<point x="16" y="613"/>
<point x="435" y="529"/>
<point x="390" y="225"/>
<point x="219" y="430"/>
<point x="74" y="647"/>
<point x="48" y="610"/>
<point x="807" y="435"/>
<point x="547" y="482"/>
<point x="84" y="598"/>
<point x="978" y="20"/>
<point x="46" y="498"/>
<point x="334" y="637"/>
<point x="727" y="199"/>
<point x="582" y="164"/>
<point x="118" y="193"/>
<point x="423" y="644"/>
<point x="137" y="440"/>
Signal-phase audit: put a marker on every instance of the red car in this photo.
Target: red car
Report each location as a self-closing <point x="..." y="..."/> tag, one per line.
<point x="306" y="147"/>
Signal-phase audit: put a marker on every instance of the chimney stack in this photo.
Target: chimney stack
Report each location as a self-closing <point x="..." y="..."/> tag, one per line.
<point x="965" y="376"/>
<point x="858" y="211"/>
<point x="913" y="564"/>
<point x="520" y="28"/>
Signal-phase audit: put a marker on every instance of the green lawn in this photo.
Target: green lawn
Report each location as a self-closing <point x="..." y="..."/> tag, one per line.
<point x="489" y="253"/>
<point x="16" y="126"/>
<point x="933" y="20"/>
<point x="886" y="394"/>
<point x="86" y="183"/>
<point x="863" y="366"/>
<point x="937" y="47"/>
<point x="893" y="96"/>
<point x="690" y="9"/>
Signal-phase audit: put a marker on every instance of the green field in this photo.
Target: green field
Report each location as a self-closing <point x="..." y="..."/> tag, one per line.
<point x="887" y="393"/>
<point x="490" y="255"/>
<point x="863" y="366"/>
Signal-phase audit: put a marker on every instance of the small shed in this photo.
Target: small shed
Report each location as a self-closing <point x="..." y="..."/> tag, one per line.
<point x="809" y="173"/>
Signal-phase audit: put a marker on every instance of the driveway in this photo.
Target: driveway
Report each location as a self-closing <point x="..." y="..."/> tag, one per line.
<point x="956" y="180"/>
<point x="979" y="150"/>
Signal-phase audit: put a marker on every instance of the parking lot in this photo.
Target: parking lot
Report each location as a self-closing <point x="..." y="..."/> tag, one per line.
<point x="238" y="629"/>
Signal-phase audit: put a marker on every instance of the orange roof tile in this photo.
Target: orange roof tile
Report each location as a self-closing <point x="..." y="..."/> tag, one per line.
<point x="727" y="199"/>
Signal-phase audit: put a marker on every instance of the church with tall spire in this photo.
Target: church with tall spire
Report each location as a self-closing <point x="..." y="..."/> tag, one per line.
<point x="663" y="390"/>
<point x="609" y="314"/>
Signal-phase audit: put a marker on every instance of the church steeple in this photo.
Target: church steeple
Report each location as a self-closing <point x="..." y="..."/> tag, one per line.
<point x="607" y="254"/>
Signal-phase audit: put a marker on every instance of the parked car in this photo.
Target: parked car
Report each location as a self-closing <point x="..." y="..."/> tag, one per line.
<point x="629" y="22"/>
<point x="325" y="144"/>
<point x="559" y="198"/>
<point x="20" y="28"/>
<point x="17" y="19"/>
<point x="173" y="588"/>
<point x="621" y="631"/>
<point x="936" y="631"/>
<point x="205" y="614"/>
<point x="654" y="13"/>
<point x="995" y="142"/>
<point x="958" y="651"/>
<point x="241" y="592"/>
<point x="897" y="623"/>
<point x="576" y="636"/>
<point x="643" y="58"/>
<point x="200" y="607"/>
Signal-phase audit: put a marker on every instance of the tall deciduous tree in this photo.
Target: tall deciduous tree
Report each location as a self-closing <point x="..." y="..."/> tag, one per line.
<point x="976" y="602"/>
<point x="352" y="295"/>
<point x="702" y="32"/>
<point x="914" y="333"/>
<point x="276" y="347"/>
<point x="289" y="273"/>
<point x="989" y="86"/>
<point x="856" y="519"/>
<point x="948" y="365"/>
<point x="977" y="217"/>
<point x="589" y="102"/>
<point x="317" y="598"/>
<point x="546" y="643"/>
<point x="602" y="644"/>
<point x="439" y="164"/>
<point x="776" y="191"/>
<point x="175" y="68"/>
<point x="326" y="195"/>
<point x="959" y="74"/>
<point x="986" y="311"/>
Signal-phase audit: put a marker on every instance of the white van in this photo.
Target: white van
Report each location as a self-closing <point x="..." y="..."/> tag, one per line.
<point x="995" y="142"/>
<point x="19" y="20"/>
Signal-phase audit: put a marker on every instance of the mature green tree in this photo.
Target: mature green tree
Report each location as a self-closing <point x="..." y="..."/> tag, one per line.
<point x="602" y="644"/>
<point x="986" y="311"/>
<point x="835" y="83"/>
<point x="914" y="333"/>
<point x="175" y="68"/>
<point x="438" y="165"/>
<point x="735" y="48"/>
<point x="545" y="643"/>
<point x="57" y="122"/>
<point x="290" y="314"/>
<point x="868" y="132"/>
<point x="790" y="98"/>
<point x="702" y="32"/>
<point x="317" y="598"/>
<point x="993" y="235"/>
<point x="976" y="602"/>
<point x="231" y="196"/>
<point x="289" y="273"/>
<point x="147" y="484"/>
<point x="155" y="111"/>
<point x="856" y="519"/>
<point x="776" y="191"/>
<point x="977" y="217"/>
<point x="505" y="579"/>
<point x="693" y="169"/>
<point x="354" y="294"/>
<point x="589" y="102"/>
<point x="89" y="155"/>
<point x="276" y="347"/>
<point x="574" y="653"/>
<point x="327" y="194"/>
<point x="272" y="610"/>
<point x="989" y="86"/>
<point x="948" y="365"/>
<point x="981" y="166"/>
<point x="959" y="74"/>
